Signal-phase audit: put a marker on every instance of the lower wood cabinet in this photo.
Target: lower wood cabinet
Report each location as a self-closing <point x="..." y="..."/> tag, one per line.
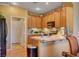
<point x="32" y="42"/>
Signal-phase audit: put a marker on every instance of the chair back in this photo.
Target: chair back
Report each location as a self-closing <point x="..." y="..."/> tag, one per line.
<point x="73" y="44"/>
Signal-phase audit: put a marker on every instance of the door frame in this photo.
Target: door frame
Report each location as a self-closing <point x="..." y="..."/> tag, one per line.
<point x="24" y="18"/>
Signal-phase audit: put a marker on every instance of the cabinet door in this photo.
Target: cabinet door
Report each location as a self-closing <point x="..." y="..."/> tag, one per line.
<point x="63" y="17"/>
<point x="38" y="22"/>
<point x="51" y="17"/>
<point x="44" y="22"/>
<point x="57" y="18"/>
<point x="33" y="22"/>
<point x="47" y="18"/>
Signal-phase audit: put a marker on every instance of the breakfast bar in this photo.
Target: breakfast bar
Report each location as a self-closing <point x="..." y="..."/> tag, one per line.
<point x="49" y="45"/>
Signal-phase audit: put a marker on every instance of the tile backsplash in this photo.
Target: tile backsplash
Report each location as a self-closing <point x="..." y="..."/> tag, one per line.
<point x="37" y="31"/>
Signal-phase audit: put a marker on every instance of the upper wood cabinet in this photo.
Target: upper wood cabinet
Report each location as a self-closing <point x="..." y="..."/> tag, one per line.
<point x="34" y="22"/>
<point x="57" y="18"/>
<point x="60" y="17"/>
<point x="47" y="18"/>
<point x="38" y="22"/>
<point x="63" y="17"/>
<point x="44" y="22"/>
<point x="50" y="17"/>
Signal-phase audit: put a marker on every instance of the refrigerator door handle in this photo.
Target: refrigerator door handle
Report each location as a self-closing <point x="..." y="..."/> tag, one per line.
<point x="6" y="29"/>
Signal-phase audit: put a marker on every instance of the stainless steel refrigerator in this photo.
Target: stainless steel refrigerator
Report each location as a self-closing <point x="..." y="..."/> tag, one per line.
<point x="2" y="37"/>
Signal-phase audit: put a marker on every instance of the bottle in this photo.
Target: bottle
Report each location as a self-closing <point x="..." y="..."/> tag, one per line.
<point x="42" y="34"/>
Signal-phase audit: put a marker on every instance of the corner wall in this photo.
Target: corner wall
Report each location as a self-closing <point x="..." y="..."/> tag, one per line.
<point x="76" y="18"/>
<point x="8" y="12"/>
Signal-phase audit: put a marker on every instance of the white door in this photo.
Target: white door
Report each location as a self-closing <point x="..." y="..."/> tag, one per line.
<point x="17" y="32"/>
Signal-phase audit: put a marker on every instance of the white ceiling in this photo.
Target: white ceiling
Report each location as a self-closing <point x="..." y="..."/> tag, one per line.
<point x="31" y="6"/>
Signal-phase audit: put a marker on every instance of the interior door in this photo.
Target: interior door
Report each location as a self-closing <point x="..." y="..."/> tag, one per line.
<point x="18" y="31"/>
<point x="15" y="29"/>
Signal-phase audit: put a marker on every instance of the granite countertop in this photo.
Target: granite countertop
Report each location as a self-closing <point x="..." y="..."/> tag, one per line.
<point x="48" y="38"/>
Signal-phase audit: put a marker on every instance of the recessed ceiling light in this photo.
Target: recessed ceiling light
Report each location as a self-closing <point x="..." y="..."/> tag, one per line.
<point x="14" y="3"/>
<point x="38" y="9"/>
<point x="47" y="3"/>
<point x="41" y="15"/>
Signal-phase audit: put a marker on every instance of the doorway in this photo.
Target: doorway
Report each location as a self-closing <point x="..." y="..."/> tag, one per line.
<point x="17" y="31"/>
<point x="18" y="37"/>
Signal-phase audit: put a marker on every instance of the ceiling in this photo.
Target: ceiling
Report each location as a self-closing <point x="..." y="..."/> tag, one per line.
<point x="36" y="7"/>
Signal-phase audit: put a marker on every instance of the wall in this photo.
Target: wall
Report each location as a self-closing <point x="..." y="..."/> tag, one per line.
<point x="69" y="18"/>
<point x="76" y="18"/>
<point x="9" y="11"/>
<point x="69" y="15"/>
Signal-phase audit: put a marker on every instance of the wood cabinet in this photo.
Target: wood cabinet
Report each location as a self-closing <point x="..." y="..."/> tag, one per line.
<point x="59" y="16"/>
<point x="34" y="22"/>
<point x="32" y="42"/>
<point x="38" y="22"/>
<point x="51" y="17"/>
<point x="44" y="22"/>
<point x="47" y="18"/>
<point x="63" y="17"/>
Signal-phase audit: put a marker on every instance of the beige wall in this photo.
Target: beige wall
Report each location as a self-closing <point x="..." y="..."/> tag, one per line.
<point x="76" y="18"/>
<point x="69" y="18"/>
<point x="69" y="15"/>
<point x="8" y="12"/>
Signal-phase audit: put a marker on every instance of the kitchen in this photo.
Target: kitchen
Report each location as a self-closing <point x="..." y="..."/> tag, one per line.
<point x="47" y="31"/>
<point x="46" y="26"/>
